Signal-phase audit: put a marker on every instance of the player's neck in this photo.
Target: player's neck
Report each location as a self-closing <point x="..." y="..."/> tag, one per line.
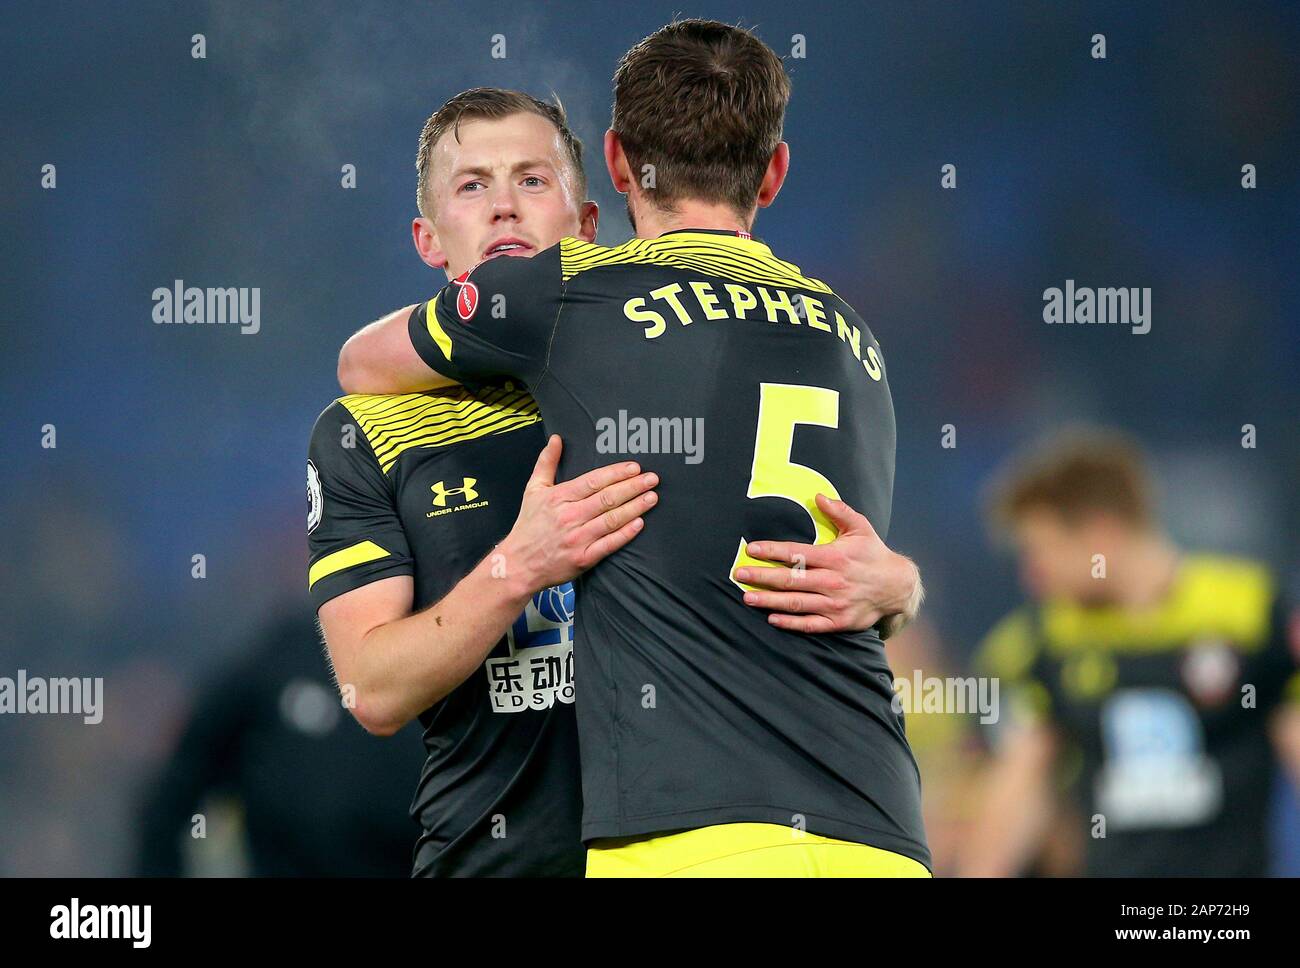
<point x="687" y="214"/>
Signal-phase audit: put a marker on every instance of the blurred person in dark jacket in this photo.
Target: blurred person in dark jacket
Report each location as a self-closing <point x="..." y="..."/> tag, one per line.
<point x="319" y="795"/>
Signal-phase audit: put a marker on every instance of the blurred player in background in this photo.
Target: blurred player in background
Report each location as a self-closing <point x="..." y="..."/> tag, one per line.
<point x="1160" y="687"/>
<point x="412" y="492"/>
<point x="316" y="796"/>
<point x="713" y="742"/>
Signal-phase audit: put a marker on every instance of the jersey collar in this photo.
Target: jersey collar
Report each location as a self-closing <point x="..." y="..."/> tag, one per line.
<point x="741" y="239"/>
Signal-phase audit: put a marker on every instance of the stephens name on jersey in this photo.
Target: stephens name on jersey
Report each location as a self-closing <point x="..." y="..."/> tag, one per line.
<point x="692" y="709"/>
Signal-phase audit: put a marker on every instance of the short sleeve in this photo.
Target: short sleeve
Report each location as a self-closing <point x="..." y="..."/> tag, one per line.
<point x="1011" y="654"/>
<point x="494" y="321"/>
<point x="354" y="532"/>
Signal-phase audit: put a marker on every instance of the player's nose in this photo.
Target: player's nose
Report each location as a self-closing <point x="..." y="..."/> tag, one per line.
<point x="504" y="205"/>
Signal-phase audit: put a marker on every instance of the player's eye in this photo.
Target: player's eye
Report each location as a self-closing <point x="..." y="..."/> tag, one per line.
<point x="534" y="181"/>
<point x="470" y="185"/>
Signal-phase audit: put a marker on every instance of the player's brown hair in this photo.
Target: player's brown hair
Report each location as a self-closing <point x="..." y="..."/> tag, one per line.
<point x="704" y="103"/>
<point x="490" y="103"/>
<point x="1076" y="474"/>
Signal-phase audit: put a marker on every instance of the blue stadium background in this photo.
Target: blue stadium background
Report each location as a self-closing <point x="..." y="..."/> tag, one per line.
<point x="225" y="171"/>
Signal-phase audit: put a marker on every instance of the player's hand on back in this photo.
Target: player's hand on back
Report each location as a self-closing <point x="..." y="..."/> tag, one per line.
<point x="849" y="584"/>
<point x="563" y="529"/>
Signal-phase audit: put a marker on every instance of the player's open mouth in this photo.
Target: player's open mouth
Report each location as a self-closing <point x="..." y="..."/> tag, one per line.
<point x="514" y="247"/>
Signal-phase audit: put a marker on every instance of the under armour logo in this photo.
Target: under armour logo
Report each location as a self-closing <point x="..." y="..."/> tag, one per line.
<point x="441" y="492"/>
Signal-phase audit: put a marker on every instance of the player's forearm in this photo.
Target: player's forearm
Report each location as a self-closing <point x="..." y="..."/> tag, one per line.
<point x="379" y="358"/>
<point x="1005" y="838"/>
<point x="405" y="666"/>
<point x="1017" y="810"/>
<point x="401" y="664"/>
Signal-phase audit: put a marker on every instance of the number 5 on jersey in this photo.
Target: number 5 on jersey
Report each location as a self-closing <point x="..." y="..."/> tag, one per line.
<point x="781" y="406"/>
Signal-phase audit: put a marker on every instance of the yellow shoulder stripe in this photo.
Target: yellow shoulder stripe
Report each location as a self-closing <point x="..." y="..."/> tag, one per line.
<point x="737" y="259"/>
<point x="435" y="329"/>
<point x="335" y="561"/>
<point x="1212" y="597"/>
<point x="395" y="423"/>
<point x="1008" y="651"/>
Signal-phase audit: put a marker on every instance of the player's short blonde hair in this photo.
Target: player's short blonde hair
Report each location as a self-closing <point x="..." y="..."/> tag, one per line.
<point x="1075" y="474"/>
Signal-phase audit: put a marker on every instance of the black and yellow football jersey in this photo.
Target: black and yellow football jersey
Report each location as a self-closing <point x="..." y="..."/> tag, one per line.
<point x="748" y="388"/>
<point x="425" y="484"/>
<point x="1164" y="716"/>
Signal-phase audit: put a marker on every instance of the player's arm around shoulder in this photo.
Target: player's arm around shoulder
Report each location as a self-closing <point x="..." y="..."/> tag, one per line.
<point x="495" y="320"/>
<point x="380" y="358"/>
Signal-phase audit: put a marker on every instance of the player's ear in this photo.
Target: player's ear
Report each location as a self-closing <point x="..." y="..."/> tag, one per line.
<point x="778" y="166"/>
<point x="427" y="244"/>
<point x="588" y="219"/>
<point x="620" y="172"/>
